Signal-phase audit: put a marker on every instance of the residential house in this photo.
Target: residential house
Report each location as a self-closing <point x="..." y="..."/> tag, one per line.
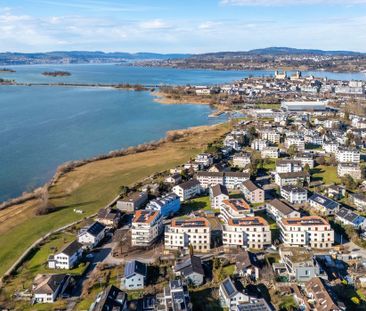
<point x="247" y="232"/>
<point x="254" y="305"/>
<point x="359" y="199"/>
<point x="347" y="155"/>
<point x="351" y="169"/>
<point x="167" y="205"/>
<point x="259" y="144"/>
<point x="299" y="262"/>
<point x="288" y="166"/>
<point x="323" y="204"/>
<point x="321" y="297"/>
<point x="182" y="233"/>
<point x="231" y="180"/>
<point x="67" y="258"/>
<point x="312" y="231"/>
<point x="109" y="217"/>
<point x="247" y="265"/>
<point x="235" y="209"/>
<point x="92" y="235"/>
<point x="241" y="160"/>
<point x="112" y="298"/>
<point x="175" y="297"/>
<point x="134" y="275"/>
<point x="230" y="296"/>
<point x="146" y="228"/>
<point x="205" y="159"/>
<point x="298" y="141"/>
<point x="191" y="269"/>
<point x="347" y="217"/>
<point x="294" y="195"/>
<point x="270" y="152"/>
<point x="336" y="192"/>
<point x="277" y="210"/>
<point x="271" y="135"/>
<point x="47" y="288"/>
<point x="252" y="192"/>
<point x="188" y="189"/>
<point x="174" y="179"/>
<point x="292" y="179"/>
<point x="305" y="159"/>
<point x="132" y="202"/>
<point x="218" y="194"/>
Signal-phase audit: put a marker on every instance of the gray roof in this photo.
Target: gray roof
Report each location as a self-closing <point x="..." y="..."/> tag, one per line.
<point x="294" y="174"/>
<point x="251" y="186"/>
<point x="48" y="284"/>
<point x="112" y="299"/>
<point x="135" y="267"/>
<point x="95" y="228"/>
<point x="347" y="214"/>
<point x="324" y="201"/>
<point x="229" y="288"/>
<point x="218" y="190"/>
<point x="191" y="265"/>
<point x="255" y="305"/>
<point x="284" y="208"/>
<point x="71" y="248"/>
<point x="189" y="184"/>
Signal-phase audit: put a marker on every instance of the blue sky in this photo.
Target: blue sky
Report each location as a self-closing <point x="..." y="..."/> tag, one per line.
<point x="181" y="26"/>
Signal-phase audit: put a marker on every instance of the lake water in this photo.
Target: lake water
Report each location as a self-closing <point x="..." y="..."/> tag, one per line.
<point x="42" y="127"/>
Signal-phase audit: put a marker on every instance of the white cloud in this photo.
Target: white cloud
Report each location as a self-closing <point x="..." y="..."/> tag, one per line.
<point x="154" y="24"/>
<point x="290" y="2"/>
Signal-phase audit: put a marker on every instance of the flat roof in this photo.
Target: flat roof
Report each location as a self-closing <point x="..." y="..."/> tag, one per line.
<point x="248" y="221"/>
<point x="191" y="222"/>
<point x="305" y="221"/>
<point x="237" y="204"/>
<point x="144" y="216"/>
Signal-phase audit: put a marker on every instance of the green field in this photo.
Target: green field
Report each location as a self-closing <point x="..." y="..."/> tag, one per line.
<point x="328" y="174"/>
<point x="90" y="188"/>
<point x="196" y="204"/>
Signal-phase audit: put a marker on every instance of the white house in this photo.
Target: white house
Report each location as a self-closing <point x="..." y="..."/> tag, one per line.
<point x="67" y="258"/>
<point x="134" y="275"/>
<point x="277" y="210"/>
<point x="294" y="195"/>
<point x="218" y="193"/>
<point x="92" y="235"/>
<point x="241" y="160"/>
<point x="47" y="287"/>
<point x="146" y="227"/>
<point x="348" y="155"/>
<point x="188" y="189"/>
<point x="323" y="204"/>
<point x="230" y="297"/>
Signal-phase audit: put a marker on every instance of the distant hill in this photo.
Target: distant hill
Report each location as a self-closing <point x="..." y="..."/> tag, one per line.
<point x="293" y="51"/>
<point x="10" y="58"/>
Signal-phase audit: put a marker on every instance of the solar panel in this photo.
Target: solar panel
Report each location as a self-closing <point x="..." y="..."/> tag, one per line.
<point x="229" y="287"/>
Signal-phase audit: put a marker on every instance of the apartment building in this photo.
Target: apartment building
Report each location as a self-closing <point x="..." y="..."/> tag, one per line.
<point x="271" y="135"/>
<point x="146" y="227"/>
<point x="259" y="144"/>
<point x="270" y="152"/>
<point x="184" y="232"/>
<point x="277" y="210"/>
<point x="218" y="193"/>
<point x="252" y="192"/>
<point x="231" y="180"/>
<point x="205" y="159"/>
<point x="188" y="189"/>
<point x="167" y="205"/>
<point x="235" y="209"/>
<point x="288" y="166"/>
<point x="252" y="232"/>
<point x="311" y="231"/>
<point x="351" y="169"/>
<point x="305" y="159"/>
<point x="346" y="155"/>
<point x="241" y="160"/>
<point x="299" y="142"/>
<point x="292" y="179"/>
<point x="132" y="202"/>
<point x="323" y="204"/>
<point x="294" y="195"/>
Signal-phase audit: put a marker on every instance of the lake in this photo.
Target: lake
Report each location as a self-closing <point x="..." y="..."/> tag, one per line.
<point x="42" y="127"/>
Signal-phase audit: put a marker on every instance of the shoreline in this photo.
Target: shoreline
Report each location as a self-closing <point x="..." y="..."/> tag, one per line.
<point x="68" y="187"/>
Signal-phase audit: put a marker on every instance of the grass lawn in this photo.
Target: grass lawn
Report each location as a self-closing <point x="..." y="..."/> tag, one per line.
<point x="201" y="203"/>
<point x="37" y="264"/>
<point x="228" y="270"/>
<point x="328" y="174"/>
<point x="90" y="188"/>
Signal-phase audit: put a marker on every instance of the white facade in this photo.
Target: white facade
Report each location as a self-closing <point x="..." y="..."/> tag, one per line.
<point x="235" y="209"/>
<point x="348" y="155"/>
<point x="187" y="190"/>
<point x="311" y="231"/>
<point x="252" y="232"/>
<point x="259" y="144"/>
<point x="270" y="152"/>
<point x="294" y="195"/>
<point x="352" y="169"/>
<point x="241" y="161"/>
<point x="184" y="232"/>
<point x="288" y="166"/>
<point x="146" y="227"/>
<point x="299" y="142"/>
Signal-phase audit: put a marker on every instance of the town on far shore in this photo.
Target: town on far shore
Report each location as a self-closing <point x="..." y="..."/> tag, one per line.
<point x="271" y="216"/>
